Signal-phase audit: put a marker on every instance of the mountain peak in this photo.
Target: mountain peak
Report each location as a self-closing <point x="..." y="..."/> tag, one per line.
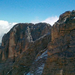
<point x="40" y="49"/>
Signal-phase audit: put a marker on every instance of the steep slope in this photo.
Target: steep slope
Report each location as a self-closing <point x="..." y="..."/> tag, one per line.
<point x="20" y="36"/>
<point x="21" y="45"/>
<point x="61" y="49"/>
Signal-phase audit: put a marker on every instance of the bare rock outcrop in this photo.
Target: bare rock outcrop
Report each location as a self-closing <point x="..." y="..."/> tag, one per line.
<point x="21" y="45"/>
<point x="61" y="49"/>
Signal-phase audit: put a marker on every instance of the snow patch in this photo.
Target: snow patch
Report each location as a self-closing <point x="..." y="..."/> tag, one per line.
<point x="29" y="37"/>
<point x="61" y="72"/>
<point x="29" y="73"/>
<point x="14" y="29"/>
<point x="43" y="55"/>
<point x="42" y="36"/>
<point x="40" y="69"/>
<point x="73" y="18"/>
<point x="39" y="63"/>
<point x="64" y="20"/>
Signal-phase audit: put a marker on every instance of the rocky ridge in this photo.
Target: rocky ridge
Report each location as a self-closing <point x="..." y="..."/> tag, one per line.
<point x="61" y="49"/>
<point x="21" y="45"/>
<point x="40" y="49"/>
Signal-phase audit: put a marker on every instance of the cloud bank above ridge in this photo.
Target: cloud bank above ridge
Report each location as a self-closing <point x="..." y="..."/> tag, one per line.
<point x="5" y="26"/>
<point x="50" y="20"/>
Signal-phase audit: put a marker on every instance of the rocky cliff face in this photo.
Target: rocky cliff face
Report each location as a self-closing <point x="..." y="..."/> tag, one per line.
<point x="21" y="45"/>
<point x="40" y="49"/>
<point x="61" y="49"/>
<point x="20" y="36"/>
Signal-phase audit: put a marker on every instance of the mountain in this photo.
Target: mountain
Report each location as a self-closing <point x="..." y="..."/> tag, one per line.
<point x="21" y="45"/>
<point x="40" y="49"/>
<point x="61" y="49"/>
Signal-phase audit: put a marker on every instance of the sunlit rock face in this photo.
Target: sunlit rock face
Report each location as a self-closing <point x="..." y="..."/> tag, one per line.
<point x="61" y="49"/>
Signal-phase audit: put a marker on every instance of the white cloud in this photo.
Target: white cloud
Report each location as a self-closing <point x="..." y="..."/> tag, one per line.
<point x="50" y="20"/>
<point x="5" y="26"/>
<point x="35" y="21"/>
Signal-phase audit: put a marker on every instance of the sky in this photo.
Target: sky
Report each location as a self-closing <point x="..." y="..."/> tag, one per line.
<point x="31" y="11"/>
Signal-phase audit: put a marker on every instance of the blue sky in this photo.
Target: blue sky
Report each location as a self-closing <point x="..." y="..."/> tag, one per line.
<point x="23" y="11"/>
<point x="28" y="10"/>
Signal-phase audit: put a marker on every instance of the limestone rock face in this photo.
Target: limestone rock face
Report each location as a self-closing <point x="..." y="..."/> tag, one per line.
<point x="19" y="37"/>
<point x="61" y="49"/>
<point x="65" y="24"/>
<point x="21" y="45"/>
